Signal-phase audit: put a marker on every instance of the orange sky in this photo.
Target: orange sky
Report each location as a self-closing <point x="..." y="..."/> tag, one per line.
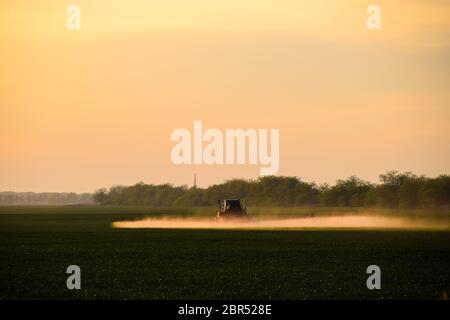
<point x="85" y="109"/>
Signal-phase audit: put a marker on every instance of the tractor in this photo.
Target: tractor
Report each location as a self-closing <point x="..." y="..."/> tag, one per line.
<point x="231" y="208"/>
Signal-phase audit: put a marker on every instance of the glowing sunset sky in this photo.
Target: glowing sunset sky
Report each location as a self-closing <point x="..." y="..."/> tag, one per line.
<point x="85" y="109"/>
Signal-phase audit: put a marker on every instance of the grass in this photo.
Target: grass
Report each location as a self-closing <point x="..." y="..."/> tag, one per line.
<point x="38" y="243"/>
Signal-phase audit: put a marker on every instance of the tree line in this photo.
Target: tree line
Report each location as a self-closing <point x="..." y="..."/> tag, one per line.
<point x="44" y="198"/>
<point x="394" y="190"/>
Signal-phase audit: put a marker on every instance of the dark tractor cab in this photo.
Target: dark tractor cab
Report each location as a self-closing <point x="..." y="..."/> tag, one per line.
<point x="231" y="208"/>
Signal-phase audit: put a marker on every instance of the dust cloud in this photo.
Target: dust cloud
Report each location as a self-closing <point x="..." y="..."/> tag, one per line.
<point x="321" y="222"/>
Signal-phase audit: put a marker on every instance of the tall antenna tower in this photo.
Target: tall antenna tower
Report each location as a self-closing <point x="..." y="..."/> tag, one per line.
<point x="195" y="180"/>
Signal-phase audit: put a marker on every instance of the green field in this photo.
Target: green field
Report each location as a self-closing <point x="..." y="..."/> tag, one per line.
<point x="38" y="243"/>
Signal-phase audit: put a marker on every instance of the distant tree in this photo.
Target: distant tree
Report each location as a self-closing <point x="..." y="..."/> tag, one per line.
<point x="350" y="192"/>
<point x="435" y="192"/>
<point x="388" y="192"/>
<point x="100" y="196"/>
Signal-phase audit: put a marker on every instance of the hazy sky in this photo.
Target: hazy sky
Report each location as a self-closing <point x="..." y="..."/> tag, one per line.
<point x="85" y="109"/>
